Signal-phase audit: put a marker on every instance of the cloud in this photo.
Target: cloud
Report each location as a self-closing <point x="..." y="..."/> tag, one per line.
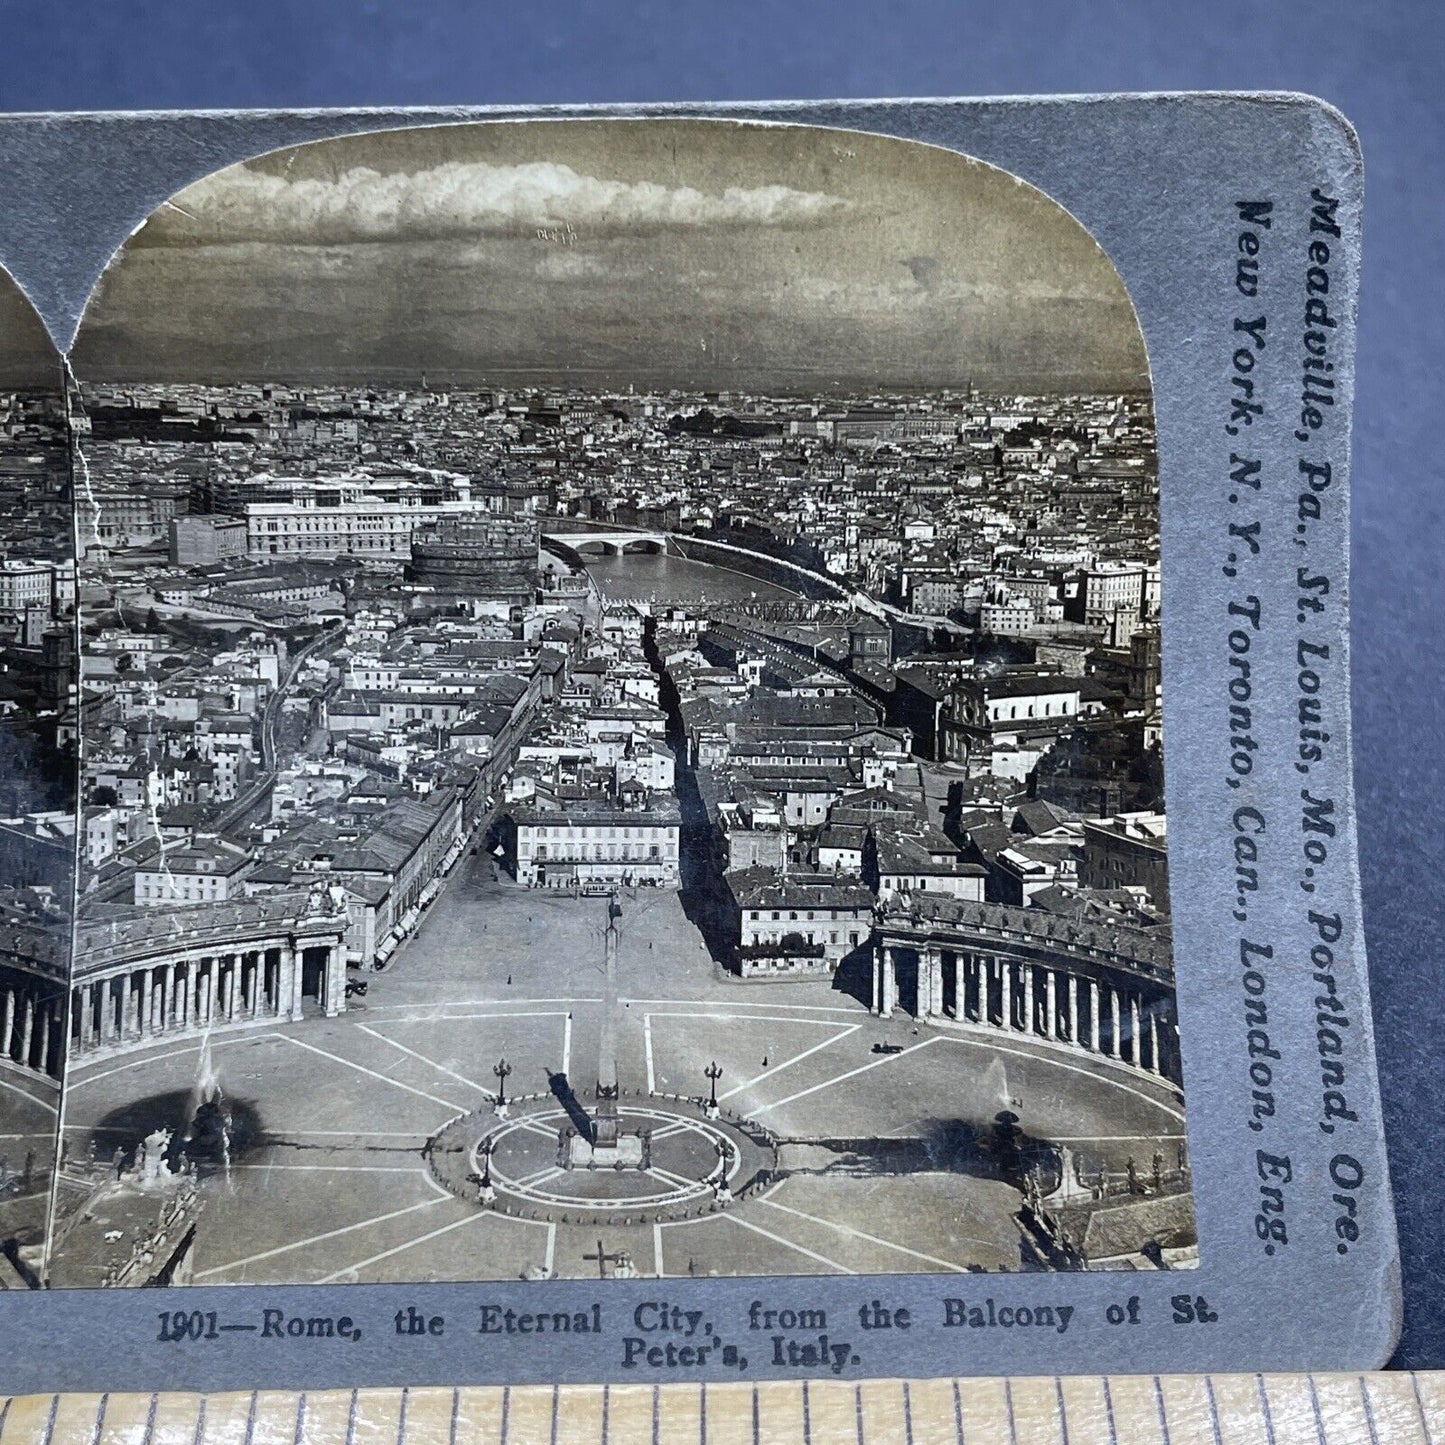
<point x="459" y="199"/>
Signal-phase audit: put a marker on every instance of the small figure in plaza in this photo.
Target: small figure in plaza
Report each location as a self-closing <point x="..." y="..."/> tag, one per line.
<point x="1132" y="1170"/>
<point x="1158" y="1172"/>
<point x="118" y="1161"/>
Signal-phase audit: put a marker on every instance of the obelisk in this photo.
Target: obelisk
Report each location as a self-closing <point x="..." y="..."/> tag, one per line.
<point x="604" y="1117"/>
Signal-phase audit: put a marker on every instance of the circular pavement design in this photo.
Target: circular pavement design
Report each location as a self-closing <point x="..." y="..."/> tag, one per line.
<point x="686" y="1156"/>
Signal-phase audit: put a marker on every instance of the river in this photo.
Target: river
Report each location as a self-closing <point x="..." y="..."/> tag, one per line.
<point x="654" y="577"/>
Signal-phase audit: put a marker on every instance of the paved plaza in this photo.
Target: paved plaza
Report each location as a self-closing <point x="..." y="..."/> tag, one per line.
<point x="27" y="1151"/>
<point x="327" y="1178"/>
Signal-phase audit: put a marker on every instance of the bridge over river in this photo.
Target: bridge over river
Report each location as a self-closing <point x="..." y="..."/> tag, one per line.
<point x="715" y="571"/>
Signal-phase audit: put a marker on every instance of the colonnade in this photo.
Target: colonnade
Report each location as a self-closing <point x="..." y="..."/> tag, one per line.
<point x="1094" y="1011"/>
<point x="152" y="998"/>
<point x="30" y="1028"/>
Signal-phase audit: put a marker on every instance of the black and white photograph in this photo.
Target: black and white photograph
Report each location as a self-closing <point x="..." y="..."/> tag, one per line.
<point x="37" y="777"/>
<point x="619" y="726"/>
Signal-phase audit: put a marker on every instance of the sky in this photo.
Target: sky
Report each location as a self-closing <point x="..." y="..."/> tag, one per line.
<point x="28" y="358"/>
<point x="701" y="255"/>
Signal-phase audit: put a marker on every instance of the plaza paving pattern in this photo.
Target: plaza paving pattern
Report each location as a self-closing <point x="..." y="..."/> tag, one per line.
<point x="878" y="1167"/>
<point x="28" y="1109"/>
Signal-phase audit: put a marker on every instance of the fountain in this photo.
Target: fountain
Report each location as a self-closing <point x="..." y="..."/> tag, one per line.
<point x="995" y="1085"/>
<point x="208" y="1130"/>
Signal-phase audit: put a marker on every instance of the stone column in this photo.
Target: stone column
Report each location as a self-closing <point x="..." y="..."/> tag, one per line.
<point x="7" y="1031"/>
<point x="960" y="987"/>
<point x="127" y="1006"/>
<point x="333" y="986"/>
<point x="213" y="972"/>
<point x="1153" y="1021"/>
<point x="1094" y="1041"/>
<point x="1072" y="994"/>
<point x="878" y="980"/>
<point x="1135" y="1057"/>
<point x="1051" y="1003"/>
<point x="258" y="982"/>
<point x="1029" y="1012"/>
<point x="1169" y="1065"/>
<point x="233" y="981"/>
<point x="42" y="1054"/>
<point x="147" y="1001"/>
<point x="1005" y="989"/>
<point x="298" y="977"/>
<point x="890" y="983"/>
<point x="27" y="1030"/>
<point x="935" y="980"/>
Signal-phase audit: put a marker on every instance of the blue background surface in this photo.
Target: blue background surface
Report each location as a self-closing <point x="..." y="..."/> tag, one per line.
<point x="1378" y="62"/>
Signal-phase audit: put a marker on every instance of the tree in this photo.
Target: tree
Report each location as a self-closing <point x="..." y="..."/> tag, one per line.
<point x="104" y="796"/>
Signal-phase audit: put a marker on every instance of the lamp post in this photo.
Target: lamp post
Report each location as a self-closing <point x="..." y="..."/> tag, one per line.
<point x="486" y="1193"/>
<point x="712" y="1074"/>
<point x="502" y="1070"/>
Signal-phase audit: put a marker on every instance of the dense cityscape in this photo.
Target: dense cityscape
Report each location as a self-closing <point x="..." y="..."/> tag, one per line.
<point x="37" y="809"/>
<point x="862" y="692"/>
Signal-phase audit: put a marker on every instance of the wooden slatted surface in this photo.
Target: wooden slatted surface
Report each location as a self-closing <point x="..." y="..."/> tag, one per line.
<point x="1375" y="1409"/>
